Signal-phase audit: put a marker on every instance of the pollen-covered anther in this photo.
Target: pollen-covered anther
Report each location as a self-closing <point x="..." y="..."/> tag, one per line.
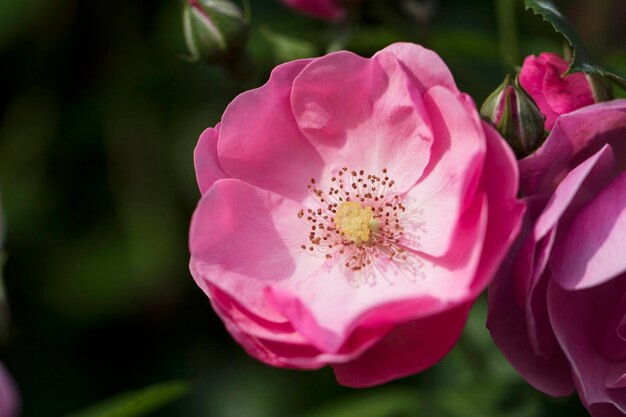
<point x="359" y="218"/>
<point x="355" y="222"/>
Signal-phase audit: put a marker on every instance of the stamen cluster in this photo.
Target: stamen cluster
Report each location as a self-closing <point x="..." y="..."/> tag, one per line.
<point x="358" y="219"/>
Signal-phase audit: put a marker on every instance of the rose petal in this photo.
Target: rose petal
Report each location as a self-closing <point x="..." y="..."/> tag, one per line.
<point x="251" y="324"/>
<point x="450" y="180"/>
<point x="260" y="142"/>
<point x="575" y="137"/>
<point x="604" y="410"/>
<point x="243" y="238"/>
<point x="564" y="93"/>
<point x="592" y="251"/>
<point x="10" y="403"/>
<point x="616" y="377"/>
<point x="531" y="78"/>
<point x="387" y="293"/>
<point x="409" y="348"/>
<point x="373" y="119"/>
<point x="325" y="9"/>
<point x="523" y="269"/>
<point x="507" y="323"/>
<point x="208" y="169"/>
<point x="569" y="187"/>
<point x="289" y="351"/>
<point x="575" y="316"/>
<point x="517" y="304"/>
<point x="540" y="333"/>
<point x="500" y="182"/>
<point x="425" y="67"/>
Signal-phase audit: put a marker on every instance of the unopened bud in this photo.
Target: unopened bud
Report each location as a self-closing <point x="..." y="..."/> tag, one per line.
<point x="516" y="117"/>
<point x="215" y="30"/>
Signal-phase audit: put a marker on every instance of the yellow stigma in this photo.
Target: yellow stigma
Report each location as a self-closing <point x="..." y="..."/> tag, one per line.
<point x="355" y="222"/>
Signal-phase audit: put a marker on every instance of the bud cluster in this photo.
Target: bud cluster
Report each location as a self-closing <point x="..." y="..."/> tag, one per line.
<point x="216" y="31"/>
<point x="516" y="116"/>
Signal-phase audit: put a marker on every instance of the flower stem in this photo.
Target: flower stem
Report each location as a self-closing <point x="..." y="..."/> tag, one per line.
<point x="507" y="28"/>
<point x="342" y="32"/>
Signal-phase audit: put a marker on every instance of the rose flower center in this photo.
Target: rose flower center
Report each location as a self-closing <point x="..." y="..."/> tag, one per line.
<point x="355" y="222"/>
<point x="358" y="220"/>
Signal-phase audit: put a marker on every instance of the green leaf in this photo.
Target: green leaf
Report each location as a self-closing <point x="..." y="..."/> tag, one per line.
<point x="385" y="403"/>
<point x="137" y="403"/>
<point x="582" y="60"/>
<point x="286" y="48"/>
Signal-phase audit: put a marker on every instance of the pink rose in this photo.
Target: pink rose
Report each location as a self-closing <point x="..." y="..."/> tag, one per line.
<point x="352" y="210"/>
<point x="9" y="399"/>
<point x="323" y="9"/>
<point x="558" y="308"/>
<point x="555" y="94"/>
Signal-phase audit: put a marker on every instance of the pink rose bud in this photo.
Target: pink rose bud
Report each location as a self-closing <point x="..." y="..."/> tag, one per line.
<point x="555" y="93"/>
<point x="557" y="309"/>
<point x="515" y="116"/>
<point x="322" y="9"/>
<point x="352" y="210"/>
<point x="215" y="30"/>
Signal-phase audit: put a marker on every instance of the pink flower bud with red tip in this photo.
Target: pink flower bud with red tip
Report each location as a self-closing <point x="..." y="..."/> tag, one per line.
<point x="515" y="116"/>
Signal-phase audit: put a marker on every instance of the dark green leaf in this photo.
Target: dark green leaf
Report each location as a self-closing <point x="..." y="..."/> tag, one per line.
<point x="137" y="403"/>
<point x="386" y="403"/>
<point x="287" y="48"/>
<point x="582" y="60"/>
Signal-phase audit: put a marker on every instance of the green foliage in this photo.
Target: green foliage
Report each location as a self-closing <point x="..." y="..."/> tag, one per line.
<point x="582" y="60"/>
<point x="387" y="403"/>
<point x="288" y="48"/>
<point x="137" y="403"/>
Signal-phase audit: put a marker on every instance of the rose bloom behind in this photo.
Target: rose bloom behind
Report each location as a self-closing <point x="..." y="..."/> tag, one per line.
<point x="332" y="10"/>
<point x="10" y="401"/>
<point x="9" y="398"/>
<point x="352" y="210"/>
<point x="554" y="93"/>
<point x="558" y="308"/>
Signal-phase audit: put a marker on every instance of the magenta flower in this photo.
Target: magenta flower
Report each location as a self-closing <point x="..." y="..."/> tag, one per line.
<point x="557" y="310"/>
<point x="352" y="210"/>
<point x="555" y="94"/>
<point x="323" y="9"/>
<point x="9" y="398"/>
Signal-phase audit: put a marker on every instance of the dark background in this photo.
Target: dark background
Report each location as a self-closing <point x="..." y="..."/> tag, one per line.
<point x="99" y="115"/>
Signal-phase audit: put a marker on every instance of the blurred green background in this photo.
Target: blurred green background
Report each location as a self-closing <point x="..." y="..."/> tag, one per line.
<point x="99" y="115"/>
